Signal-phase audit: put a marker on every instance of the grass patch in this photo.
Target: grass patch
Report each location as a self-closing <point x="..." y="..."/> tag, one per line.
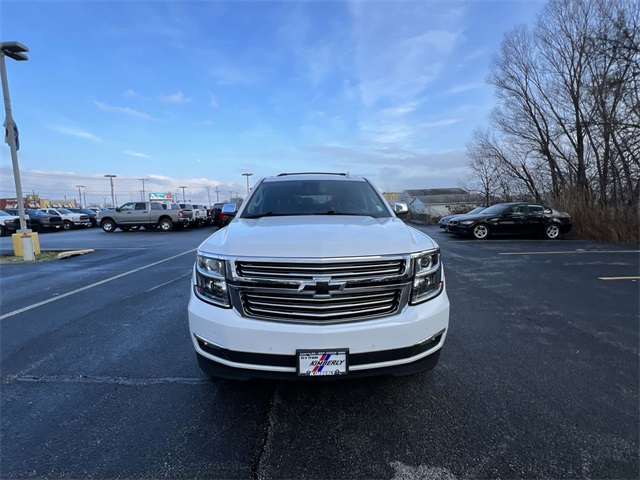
<point x="43" y="256"/>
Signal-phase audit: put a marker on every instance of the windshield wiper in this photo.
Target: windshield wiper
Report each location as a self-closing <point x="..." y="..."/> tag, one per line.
<point x="335" y="212"/>
<point x="267" y="214"/>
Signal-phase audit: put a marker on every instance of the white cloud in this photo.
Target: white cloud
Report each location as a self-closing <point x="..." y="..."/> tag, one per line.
<point x="126" y="110"/>
<point x="136" y="154"/>
<point x="441" y="123"/>
<point x="464" y="87"/>
<point x="177" y="97"/>
<point x="130" y="94"/>
<point x="214" y="103"/>
<point x="76" y="132"/>
<point x="400" y="110"/>
<point x="397" y="64"/>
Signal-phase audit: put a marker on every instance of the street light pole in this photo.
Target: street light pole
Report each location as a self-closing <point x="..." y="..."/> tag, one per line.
<point x="247" y="175"/>
<point x="80" y="194"/>
<point x="14" y="50"/>
<point x="143" y="180"/>
<point x="113" y="198"/>
<point x="209" y="195"/>
<point x="184" y="200"/>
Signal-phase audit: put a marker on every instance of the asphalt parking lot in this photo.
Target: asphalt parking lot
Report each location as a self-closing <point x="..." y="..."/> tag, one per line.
<point x="538" y="378"/>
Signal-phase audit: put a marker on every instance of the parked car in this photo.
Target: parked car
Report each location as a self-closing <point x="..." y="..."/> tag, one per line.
<point x="188" y="207"/>
<point x="518" y="218"/>
<point x="201" y="214"/>
<point x="10" y="223"/>
<point x="93" y="215"/>
<point x="217" y="217"/>
<point x="134" y="215"/>
<point x="442" y="223"/>
<point x="69" y="219"/>
<point x="40" y="221"/>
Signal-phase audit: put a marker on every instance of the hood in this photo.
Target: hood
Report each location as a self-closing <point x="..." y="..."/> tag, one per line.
<point x="316" y="237"/>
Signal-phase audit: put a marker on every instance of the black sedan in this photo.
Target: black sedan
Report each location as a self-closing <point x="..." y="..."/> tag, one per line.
<point x="444" y="221"/>
<point x="519" y="218"/>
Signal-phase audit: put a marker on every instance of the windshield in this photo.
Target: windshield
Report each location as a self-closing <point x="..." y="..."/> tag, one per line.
<point x="477" y="210"/>
<point x="315" y="197"/>
<point x="64" y="211"/>
<point x="30" y="211"/>
<point x="494" y="209"/>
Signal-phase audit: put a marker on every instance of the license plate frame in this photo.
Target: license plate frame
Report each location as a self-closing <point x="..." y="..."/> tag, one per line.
<point x="306" y="368"/>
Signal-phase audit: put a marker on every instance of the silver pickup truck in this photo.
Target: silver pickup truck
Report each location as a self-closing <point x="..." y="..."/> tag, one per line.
<point x="133" y="215"/>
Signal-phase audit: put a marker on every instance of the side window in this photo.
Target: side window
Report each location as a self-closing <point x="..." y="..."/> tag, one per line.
<point x="536" y="210"/>
<point x="127" y="207"/>
<point x="516" y="210"/>
<point x="155" y="206"/>
<point x="141" y="206"/>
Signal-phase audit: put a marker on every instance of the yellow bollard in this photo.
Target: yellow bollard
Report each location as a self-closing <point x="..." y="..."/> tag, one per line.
<point x="17" y="243"/>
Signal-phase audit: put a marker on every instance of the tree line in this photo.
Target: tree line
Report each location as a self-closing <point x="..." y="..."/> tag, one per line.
<point x="565" y="129"/>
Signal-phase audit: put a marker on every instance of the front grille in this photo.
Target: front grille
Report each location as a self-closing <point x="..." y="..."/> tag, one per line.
<point x="55" y="220"/>
<point x="339" y="307"/>
<point x="324" y="291"/>
<point x="342" y="270"/>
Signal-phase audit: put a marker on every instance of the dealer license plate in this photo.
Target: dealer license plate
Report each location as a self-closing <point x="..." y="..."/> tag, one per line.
<point x="323" y="363"/>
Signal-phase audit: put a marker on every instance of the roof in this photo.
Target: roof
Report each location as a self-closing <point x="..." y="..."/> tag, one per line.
<point x="313" y="176"/>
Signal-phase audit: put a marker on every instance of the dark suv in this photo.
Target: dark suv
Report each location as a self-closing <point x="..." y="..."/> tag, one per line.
<point x="219" y="220"/>
<point x="40" y="221"/>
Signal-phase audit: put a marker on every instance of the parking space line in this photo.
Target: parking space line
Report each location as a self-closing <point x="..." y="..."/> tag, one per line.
<point x="619" y="278"/>
<point x="96" y="284"/>
<point x="569" y="252"/>
<point x="167" y="283"/>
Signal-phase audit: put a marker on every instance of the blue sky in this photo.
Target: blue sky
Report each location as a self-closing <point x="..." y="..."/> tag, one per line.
<point x="197" y="93"/>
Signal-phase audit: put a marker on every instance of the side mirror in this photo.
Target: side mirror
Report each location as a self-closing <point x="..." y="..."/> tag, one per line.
<point x="117" y="209"/>
<point x="230" y="209"/>
<point x="400" y="208"/>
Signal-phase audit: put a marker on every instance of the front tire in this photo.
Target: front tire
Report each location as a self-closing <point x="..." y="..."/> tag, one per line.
<point x="480" y="231"/>
<point x="551" y="232"/>
<point x="35" y="228"/>
<point x="67" y="225"/>
<point x="165" y="225"/>
<point x="108" y="226"/>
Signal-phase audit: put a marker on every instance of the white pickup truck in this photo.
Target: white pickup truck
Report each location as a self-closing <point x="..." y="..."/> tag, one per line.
<point x="317" y="277"/>
<point x="69" y="219"/>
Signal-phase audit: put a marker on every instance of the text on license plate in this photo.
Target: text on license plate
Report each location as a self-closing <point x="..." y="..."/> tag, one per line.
<point x="321" y="363"/>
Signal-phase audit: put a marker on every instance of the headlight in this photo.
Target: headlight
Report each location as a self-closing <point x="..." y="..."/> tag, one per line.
<point x="211" y="282"/>
<point x="427" y="277"/>
<point x="466" y="222"/>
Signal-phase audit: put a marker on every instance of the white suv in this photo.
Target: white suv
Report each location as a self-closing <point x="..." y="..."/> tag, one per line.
<point x="317" y="277"/>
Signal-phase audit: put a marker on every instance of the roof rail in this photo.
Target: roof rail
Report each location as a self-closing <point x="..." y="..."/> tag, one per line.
<point x="311" y="173"/>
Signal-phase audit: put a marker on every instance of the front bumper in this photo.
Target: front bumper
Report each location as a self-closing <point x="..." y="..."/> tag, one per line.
<point x="229" y="345"/>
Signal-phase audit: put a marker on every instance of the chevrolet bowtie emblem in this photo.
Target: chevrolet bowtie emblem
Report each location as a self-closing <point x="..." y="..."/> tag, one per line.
<point x="321" y="286"/>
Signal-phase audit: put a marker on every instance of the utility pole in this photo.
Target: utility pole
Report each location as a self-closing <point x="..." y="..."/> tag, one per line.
<point x="143" y="180"/>
<point x="217" y="195"/>
<point x="183" y="197"/>
<point x="247" y="175"/>
<point x="79" y="194"/>
<point x="230" y="195"/>
<point x="209" y="195"/>
<point x="113" y="198"/>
